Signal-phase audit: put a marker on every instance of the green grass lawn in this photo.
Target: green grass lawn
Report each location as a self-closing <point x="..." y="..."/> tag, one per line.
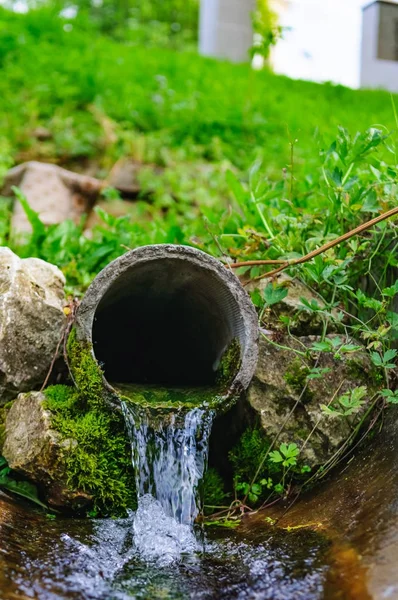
<point x="72" y="81"/>
<point x="255" y="165"/>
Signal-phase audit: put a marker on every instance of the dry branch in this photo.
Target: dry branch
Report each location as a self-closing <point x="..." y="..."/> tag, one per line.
<point x="297" y="261"/>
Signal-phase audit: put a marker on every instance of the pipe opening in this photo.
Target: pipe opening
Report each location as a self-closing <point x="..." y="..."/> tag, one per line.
<point x="166" y="322"/>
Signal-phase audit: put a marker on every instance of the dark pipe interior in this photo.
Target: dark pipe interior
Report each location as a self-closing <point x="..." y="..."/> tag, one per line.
<point x="165" y="322"/>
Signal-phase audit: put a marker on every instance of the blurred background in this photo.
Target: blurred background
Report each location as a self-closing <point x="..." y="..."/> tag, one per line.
<point x="317" y="40"/>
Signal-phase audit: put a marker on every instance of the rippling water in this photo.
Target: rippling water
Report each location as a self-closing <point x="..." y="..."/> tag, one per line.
<point x="87" y="560"/>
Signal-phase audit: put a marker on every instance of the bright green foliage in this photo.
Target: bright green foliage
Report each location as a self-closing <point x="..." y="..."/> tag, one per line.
<point x="335" y="345"/>
<point x="86" y="373"/>
<point x="248" y="453"/>
<point x="205" y="108"/>
<point x="385" y="359"/>
<point x="100" y="463"/>
<point x="348" y="404"/>
<point x="5" y="218"/>
<point x="390" y="396"/>
<point x="287" y="455"/>
<point x="259" y="474"/>
<point x="254" y="491"/>
<point x="273" y="294"/>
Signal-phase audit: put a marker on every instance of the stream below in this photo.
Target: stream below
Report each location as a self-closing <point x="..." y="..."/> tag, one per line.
<point x="338" y="542"/>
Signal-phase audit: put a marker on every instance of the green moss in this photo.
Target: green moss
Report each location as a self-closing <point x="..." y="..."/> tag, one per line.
<point x="371" y="377"/>
<point x="247" y="454"/>
<point x="153" y="396"/>
<point x="3" y="414"/>
<point x="214" y="494"/>
<point x="86" y="372"/>
<point x="229" y="364"/>
<point x="100" y="462"/>
<point x="296" y="376"/>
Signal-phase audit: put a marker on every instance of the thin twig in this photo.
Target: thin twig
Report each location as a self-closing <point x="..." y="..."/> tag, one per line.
<point x="324" y="248"/>
<point x="56" y="353"/>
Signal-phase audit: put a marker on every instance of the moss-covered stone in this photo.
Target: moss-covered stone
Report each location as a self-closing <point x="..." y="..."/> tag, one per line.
<point x="296" y="376"/>
<point x="99" y="463"/>
<point x="3" y="414"/>
<point x="229" y="364"/>
<point x="86" y="373"/>
<point x="288" y="403"/>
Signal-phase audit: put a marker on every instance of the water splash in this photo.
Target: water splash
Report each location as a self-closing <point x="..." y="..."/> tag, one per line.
<point x="169" y="453"/>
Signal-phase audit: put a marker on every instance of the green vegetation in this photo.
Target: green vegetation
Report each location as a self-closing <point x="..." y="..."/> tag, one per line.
<point x="213" y="491"/>
<point x="100" y="463"/>
<point x="229" y="364"/>
<point x="11" y="482"/>
<point x="244" y="165"/>
<point x="153" y="396"/>
<point x="86" y="373"/>
<point x="259" y="473"/>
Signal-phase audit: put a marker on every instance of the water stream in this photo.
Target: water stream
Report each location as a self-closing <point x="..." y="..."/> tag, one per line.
<point x="169" y="453"/>
<point x="340" y="542"/>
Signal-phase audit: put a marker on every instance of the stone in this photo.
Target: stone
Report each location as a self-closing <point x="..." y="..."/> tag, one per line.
<point x="35" y="451"/>
<point x="32" y="321"/>
<point x="303" y="321"/>
<point x="123" y="176"/>
<point x="53" y="192"/>
<point x="279" y="382"/>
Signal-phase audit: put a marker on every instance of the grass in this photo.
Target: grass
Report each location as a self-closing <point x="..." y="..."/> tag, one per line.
<point x="254" y="166"/>
<point x="73" y="81"/>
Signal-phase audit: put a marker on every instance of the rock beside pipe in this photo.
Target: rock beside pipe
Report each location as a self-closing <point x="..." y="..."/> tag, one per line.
<point x="36" y="451"/>
<point x="32" y="321"/>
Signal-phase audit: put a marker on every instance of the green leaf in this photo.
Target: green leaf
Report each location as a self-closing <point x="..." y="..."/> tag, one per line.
<point x="318" y="372"/>
<point x="390" y="292"/>
<point x="346" y="348"/>
<point x="238" y="190"/>
<point x="389" y="355"/>
<point x="274" y="294"/>
<point x="376" y="359"/>
<point x="38" y="228"/>
<point x="325" y="346"/>
<point x="275" y="456"/>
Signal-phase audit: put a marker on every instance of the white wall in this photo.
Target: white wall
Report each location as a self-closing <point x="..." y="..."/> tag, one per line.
<point x="321" y="41"/>
<point x="376" y="73"/>
<point x="225" y="29"/>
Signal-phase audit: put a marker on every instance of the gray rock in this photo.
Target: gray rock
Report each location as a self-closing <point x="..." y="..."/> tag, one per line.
<point x="32" y="321"/>
<point x="278" y="384"/>
<point x="35" y="450"/>
<point x="55" y="193"/>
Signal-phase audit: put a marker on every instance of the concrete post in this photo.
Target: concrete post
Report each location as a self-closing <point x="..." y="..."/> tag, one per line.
<point x="225" y="29"/>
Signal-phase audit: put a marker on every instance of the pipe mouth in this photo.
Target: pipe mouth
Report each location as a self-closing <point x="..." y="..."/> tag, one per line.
<point x="169" y="317"/>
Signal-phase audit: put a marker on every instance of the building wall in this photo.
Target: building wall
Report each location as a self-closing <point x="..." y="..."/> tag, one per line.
<point x="378" y="42"/>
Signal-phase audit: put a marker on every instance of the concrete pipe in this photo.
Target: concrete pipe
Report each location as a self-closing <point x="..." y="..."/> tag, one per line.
<point x="165" y="315"/>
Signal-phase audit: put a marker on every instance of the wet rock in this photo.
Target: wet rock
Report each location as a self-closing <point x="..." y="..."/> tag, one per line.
<point x="302" y="320"/>
<point x="278" y="385"/>
<point x="55" y="193"/>
<point x="35" y="450"/>
<point x="32" y="321"/>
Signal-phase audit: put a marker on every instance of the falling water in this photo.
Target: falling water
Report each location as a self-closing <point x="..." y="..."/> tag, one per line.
<point x="169" y="454"/>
